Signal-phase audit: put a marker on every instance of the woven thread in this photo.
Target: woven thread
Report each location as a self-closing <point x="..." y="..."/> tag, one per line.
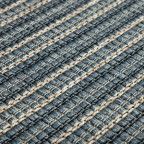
<point x="58" y="22"/>
<point x="12" y="6"/>
<point x="93" y="113"/>
<point x="60" y="71"/>
<point x="72" y="83"/>
<point x="71" y="71"/>
<point x="28" y="10"/>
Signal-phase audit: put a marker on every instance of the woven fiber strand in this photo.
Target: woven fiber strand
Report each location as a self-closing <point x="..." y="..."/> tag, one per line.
<point x="71" y="71"/>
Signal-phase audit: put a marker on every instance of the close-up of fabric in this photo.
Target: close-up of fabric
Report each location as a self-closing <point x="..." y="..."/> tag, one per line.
<point x="71" y="71"/>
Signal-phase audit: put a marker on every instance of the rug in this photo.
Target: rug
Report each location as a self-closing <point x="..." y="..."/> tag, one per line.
<point x="71" y="71"/>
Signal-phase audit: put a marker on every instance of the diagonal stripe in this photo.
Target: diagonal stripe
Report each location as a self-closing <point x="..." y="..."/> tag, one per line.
<point x="40" y="17"/>
<point x="83" y="23"/>
<point x="72" y="83"/>
<point x="130" y="123"/>
<point x="93" y="94"/>
<point x="23" y="13"/>
<point x="116" y="120"/>
<point x="61" y="36"/>
<point x="120" y="107"/>
<point x="74" y="107"/>
<point x="12" y="6"/>
<point x="68" y="66"/>
<point x="51" y="26"/>
<point x="140" y="129"/>
<point x="98" y="109"/>
<point x="63" y="60"/>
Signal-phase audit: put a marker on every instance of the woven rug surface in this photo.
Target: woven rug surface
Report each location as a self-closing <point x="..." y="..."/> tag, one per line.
<point x="71" y="71"/>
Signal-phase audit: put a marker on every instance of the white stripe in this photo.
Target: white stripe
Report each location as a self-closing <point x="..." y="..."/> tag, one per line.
<point x="47" y="28"/>
<point x="59" y="37"/>
<point x="98" y="109"/>
<point x="115" y="121"/>
<point x="68" y="66"/>
<point x="38" y="19"/>
<point x="12" y="6"/>
<point x="23" y="13"/>
<point x="71" y="109"/>
<point x="130" y="138"/>
<point x="71" y="84"/>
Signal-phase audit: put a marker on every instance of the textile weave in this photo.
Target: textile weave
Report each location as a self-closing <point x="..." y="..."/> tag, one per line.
<point x="71" y="71"/>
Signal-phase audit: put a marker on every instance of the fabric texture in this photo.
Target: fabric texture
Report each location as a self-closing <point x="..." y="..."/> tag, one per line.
<point x="71" y="71"/>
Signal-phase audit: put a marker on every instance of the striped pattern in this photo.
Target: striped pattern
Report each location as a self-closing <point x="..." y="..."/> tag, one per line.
<point x="71" y="71"/>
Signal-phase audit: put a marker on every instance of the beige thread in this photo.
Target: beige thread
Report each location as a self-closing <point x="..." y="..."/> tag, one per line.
<point x="98" y="109"/>
<point x="46" y="64"/>
<point x="74" y="107"/>
<point x="115" y="110"/>
<point x="23" y="13"/>
<point x="66" y="112"/>
<point x="71" y="84"/>
<point x="135" y="133"/>
<point x="116" y="120"/>
<point x="38" y="19"/>
<point x="59" y="37"/>
<point x="12" y="6"/>
<point x="51" y="26"/>
<point x="26" y="76"/>
<point x="66" y="67"/>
